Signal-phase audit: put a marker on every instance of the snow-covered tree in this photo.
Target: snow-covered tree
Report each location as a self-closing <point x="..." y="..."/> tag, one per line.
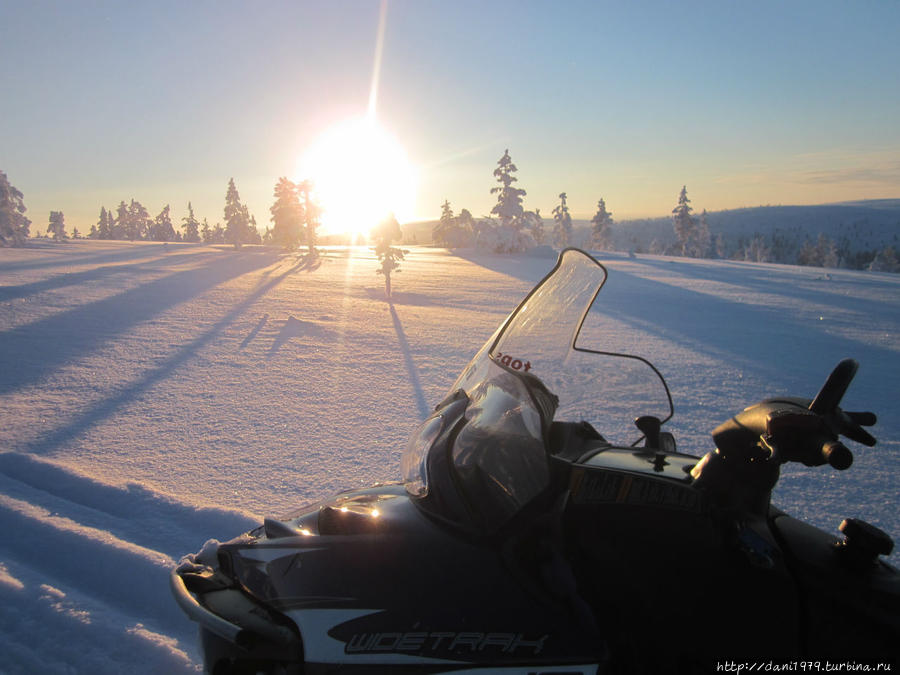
<point x="237" y="220"/>
<point x="191" y="226"/>
<point x="442" y="232"/>
<point x="534" y="224"/>
<point x="453" y="231"/>
<point x="162" y="228"/>
<point x="13" y="223"/>
<point x="386" y="232"/>
<point x="509" y="207"/>
<point x="287" y="217"/>
<point x="703" y="238"/>
<point x="601" y="232"/>
<point x="683" y="222"/>
<point x="885" y="261"/>
<point x="138" y="223"/>
<point x="562" y="223"/>
<point x="311" y="213"/>
<point x="103" y="227"/>
<point x="758" y="250"/>
<point x="57" y="226"/>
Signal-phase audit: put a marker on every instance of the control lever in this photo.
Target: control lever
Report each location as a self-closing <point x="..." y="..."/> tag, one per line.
<point x="649" y="426"/>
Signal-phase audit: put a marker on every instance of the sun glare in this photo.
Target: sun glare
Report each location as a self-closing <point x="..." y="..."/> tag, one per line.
<point x="360" y="175"/>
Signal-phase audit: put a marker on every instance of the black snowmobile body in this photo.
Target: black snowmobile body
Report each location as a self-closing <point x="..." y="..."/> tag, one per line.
<point x="521" y="540"/>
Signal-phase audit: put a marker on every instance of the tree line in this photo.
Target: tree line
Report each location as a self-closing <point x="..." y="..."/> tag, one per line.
<point x="511" y="228"/>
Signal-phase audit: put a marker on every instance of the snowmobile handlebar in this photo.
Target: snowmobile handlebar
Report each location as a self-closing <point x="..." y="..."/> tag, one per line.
<point x="800" y="430"/>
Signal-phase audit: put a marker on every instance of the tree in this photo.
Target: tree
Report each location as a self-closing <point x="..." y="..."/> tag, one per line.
<point x="534" y="223"/>
<point x="206" y="232"/>
<point x="57" y="226"/>
<point x="885" y="261"/>
<point x="162" y="228"/>
<point x="683" y="222"/>
<point x="387" y="231"/>
<point x="601" y="234"/>
<point x="104" y="224"/>
<point x="237" y="221"/>
<point x="509" y="207"/>
<point x="190" y="226"/>
<point x="562" y="228"/>
<point x="311" y="212"/>
<point x="13" y="223"/>
<point x="287" y="215"/>
<point x="703" y="238"/>
<point x="138" y="223"/>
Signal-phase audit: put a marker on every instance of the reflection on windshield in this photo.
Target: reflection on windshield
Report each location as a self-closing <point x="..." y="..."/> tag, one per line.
<point x="499" y="454"/>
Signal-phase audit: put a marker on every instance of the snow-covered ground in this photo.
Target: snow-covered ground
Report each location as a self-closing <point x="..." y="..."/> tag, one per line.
<point x="153" y="397"/>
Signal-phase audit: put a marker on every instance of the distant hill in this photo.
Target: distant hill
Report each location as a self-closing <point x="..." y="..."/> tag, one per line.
<point x="856" y="230"/>
<point x="866" y="225"/>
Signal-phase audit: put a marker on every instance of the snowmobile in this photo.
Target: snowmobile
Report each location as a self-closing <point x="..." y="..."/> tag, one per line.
<point x="547" y="524"/>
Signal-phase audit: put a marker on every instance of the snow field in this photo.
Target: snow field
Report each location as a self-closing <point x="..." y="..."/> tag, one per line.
<point x="155" y="397"/>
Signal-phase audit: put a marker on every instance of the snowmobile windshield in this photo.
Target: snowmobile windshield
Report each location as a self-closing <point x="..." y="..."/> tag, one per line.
<point x="546" y="362"/>
<point x="567" y="337"/>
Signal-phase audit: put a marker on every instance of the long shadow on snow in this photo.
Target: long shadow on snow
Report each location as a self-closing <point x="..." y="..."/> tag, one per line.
<point x="510" y="265"/>
<point x="771" y="280"/>
<point x="761" y="340"/>
<point x="109" y="405"/>
<point x="129" y="251"/>
<point x="34" y="351"/>
<point x="411" y="370"/>
<point x="67" y="279"/>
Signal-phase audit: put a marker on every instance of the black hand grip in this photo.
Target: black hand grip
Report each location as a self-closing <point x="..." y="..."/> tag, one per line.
<point x="865" y="419"/>
<point x="831" y="393"/>
<point x="837" y="455"/>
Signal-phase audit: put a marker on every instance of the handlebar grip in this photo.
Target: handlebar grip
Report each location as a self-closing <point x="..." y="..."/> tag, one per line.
<point x="837" y="455"/>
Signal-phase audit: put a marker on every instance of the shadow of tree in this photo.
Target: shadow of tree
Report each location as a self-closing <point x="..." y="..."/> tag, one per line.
<point x="106" y="407"/>
<point x="411" y="369"/>
<point x="88" y="327"/>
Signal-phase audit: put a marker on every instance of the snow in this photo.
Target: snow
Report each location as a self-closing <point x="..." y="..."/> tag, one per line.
<point x="156" y="397"/>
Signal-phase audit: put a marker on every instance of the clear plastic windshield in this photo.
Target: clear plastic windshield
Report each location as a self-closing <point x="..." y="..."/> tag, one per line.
<point x="546" y="362"/>
<point x="559" y="334"/>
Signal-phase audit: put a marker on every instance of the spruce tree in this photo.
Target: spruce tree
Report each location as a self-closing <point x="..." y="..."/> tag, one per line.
<point x="311" y="212"/>
<point x="287" y="216"/>
<point x="162" y="228"/>
<point x="601" y="234"/>
<point x="206" y="232"/>
<point x="562" y="228"/>
<point x="237" y="221"/>
<point x="13" y="223"/>
<point x="386" y="232"/>
<point x="104" y="231"/>
<point x="442" y="232"/>
<point x="509" y="207"/>
<point x="138" y="224"/>
<point x="57" y="226"/>
<point x="703" y="238"/>
<point x="119" y="228"/>
<point x="683" y="222"/>
<point x="190" y="226"/>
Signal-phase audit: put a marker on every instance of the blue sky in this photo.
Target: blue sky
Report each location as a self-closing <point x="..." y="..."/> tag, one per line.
<point x="787" y="102"/>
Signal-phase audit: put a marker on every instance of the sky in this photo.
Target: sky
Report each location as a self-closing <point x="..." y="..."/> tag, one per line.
<point x="746" y="104"/>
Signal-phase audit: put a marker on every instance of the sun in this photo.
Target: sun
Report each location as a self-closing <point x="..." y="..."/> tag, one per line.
<point x="360" y="175"/>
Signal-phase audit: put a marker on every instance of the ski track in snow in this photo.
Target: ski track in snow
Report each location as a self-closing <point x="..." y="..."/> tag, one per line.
<point x="155" y="397"/>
